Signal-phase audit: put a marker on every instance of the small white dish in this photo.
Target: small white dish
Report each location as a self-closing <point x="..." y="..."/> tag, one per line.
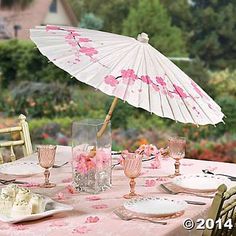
<point x="52" y="207"/>
<point x="155" y="206"/>
<point x="201" y="182"/>
<point x="21" y="168"/>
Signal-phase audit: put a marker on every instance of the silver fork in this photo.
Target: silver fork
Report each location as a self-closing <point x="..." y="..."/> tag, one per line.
<point x="125" y="217"/>
<point x="58" y="166"/>
<point x="177" y="192"/>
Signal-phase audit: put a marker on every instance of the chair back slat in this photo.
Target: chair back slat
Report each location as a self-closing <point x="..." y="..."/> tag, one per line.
<point x="1" y="158"/>
<point x="24" y="141"/>
<point x="223" y="208"/>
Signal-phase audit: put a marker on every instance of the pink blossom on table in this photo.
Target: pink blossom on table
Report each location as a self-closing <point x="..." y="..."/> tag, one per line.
<point x="67" y="180"/>
<point x="89" y="51"/>
<point x="156" y="164"/>
<point x="93" y="198"/>
<point x="71" y="189"/>
<point x="178" y="90"/>
<point x="150" y="183"/>
<point x="160" y="81"/>
<point x="20" y="227"/>
<point x="146" y="79"/>
<point x="111" y="80"/>
<point x="84" y="40"/>
<point x="100" y="206"/>
<point x="162" y="179"/>
<point x="81" y="230"/>
<point x="30" y="185"/>
<point x="92" y="219"/>
<point x="52" y="27"/>
<point x="60" y="196"/>
<point x="58" y="223"/>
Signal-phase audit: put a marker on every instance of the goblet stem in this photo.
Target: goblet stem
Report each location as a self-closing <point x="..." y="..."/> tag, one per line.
<point x="177" y="164"/>
<point x="46" y="175"/>
<point x="132" y="184"/>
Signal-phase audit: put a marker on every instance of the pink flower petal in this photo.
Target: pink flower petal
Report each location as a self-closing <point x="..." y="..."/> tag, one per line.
<point x="100" y="206"/>
<point x="81" y="230"/>
<point x="150" y="183"/>
<point x="93" y="198"/>
<point x="60" y="196"/>
<point x="71" y="189"/>
<point x="58" y="223"/>
<point x="67" y="180"/>
<point x="92" y="219"/>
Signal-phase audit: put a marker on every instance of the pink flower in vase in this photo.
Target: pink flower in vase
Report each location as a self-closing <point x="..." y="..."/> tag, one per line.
<point x="111" y="80"/>
<point x="88" y="51"/>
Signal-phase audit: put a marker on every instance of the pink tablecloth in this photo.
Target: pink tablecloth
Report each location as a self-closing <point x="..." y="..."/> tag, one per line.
<point x="92" y="214"/>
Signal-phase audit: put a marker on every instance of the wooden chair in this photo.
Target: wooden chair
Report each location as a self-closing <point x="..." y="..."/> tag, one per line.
<point x="223" y="209"/>
<point x="24" y="140"/>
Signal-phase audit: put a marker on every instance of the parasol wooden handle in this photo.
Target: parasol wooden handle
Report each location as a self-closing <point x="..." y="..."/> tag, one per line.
<point x="108" y="117"/>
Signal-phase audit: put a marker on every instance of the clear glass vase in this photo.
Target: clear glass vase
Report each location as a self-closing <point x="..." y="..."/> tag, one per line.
<point x="91" y="156"/>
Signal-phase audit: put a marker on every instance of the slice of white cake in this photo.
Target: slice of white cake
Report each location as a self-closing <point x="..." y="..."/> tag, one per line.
<point x="21" y="208"/>
<point x="6" y="203"/>
<point x="38" y="203"/>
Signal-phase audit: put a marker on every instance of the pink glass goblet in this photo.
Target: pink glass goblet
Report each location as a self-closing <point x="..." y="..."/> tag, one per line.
<point x="177" y="148"/>
<point x="132" y="169"/>
<point x="46" y="157"/>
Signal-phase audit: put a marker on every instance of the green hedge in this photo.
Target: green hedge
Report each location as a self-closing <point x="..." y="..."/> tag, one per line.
<point x="21" y="60"/>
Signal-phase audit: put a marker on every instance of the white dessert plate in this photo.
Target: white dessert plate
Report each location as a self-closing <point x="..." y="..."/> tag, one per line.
<point x="52" y="207"/>
<point x="155" y="206"/>
<point x="201" y="182"/>
<point x="21" y="168"/>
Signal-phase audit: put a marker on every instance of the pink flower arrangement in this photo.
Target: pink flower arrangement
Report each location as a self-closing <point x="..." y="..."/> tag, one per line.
<point x="92" y="219"/>
<point x="147" y="150"/>
<point x="84" y="162"/>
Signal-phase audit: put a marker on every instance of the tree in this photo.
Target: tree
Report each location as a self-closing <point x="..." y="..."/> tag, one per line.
<point x="90" y="21"/>
<point x="151" y="17"/>
<point x="15" y="3"/>
<point x="213" y="39"/>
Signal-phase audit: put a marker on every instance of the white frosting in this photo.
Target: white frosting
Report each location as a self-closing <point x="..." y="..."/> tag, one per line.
<point x="6" y="203"/>
<point x="21" y="208"/>
<point x="23" y="195"/>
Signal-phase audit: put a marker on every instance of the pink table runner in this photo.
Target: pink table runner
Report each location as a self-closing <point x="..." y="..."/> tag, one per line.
<point x="93" y="214"/>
